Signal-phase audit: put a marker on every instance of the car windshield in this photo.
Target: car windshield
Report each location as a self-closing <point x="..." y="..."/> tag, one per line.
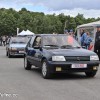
<point x="19" y="40"/>
<point x="62" y="41"/>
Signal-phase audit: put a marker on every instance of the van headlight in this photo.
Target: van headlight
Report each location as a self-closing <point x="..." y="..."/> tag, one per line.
<point x="58" y="58"/>
<point x="95" y="57"/>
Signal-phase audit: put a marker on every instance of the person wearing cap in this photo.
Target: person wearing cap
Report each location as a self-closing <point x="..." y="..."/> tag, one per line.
<point x="66" y="32"/>
<point x="97" y="42"/>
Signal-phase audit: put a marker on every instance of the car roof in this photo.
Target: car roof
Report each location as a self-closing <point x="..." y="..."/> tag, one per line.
<point x="50" y="35"/>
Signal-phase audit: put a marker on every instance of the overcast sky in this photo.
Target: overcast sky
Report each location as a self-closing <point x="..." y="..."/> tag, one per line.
<point x="90" y="8"/>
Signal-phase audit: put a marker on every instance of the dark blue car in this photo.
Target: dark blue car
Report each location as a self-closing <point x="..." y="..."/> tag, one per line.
<point x="59" y="53"/>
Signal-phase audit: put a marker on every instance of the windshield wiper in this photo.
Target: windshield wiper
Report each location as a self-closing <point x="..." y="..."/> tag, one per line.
<point x="21" y="42"/>
<point x="67" y="46"/>
<point x="51" y="46"/>
<point x="77" y="47"/>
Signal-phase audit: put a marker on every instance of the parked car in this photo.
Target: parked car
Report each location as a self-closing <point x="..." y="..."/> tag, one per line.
<point x="59" y="54"/>
<point x="16" y="46"/>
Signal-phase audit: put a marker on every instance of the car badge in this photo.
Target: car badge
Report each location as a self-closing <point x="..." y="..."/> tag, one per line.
<point x="78" y="58"/>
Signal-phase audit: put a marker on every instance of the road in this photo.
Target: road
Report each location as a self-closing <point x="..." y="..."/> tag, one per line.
<point x="18" y="84"/>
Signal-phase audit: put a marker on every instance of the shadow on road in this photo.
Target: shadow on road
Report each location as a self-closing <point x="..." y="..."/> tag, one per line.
<point x="63" y="76"/>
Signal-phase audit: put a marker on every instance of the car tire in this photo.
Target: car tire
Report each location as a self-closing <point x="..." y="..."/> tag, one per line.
<point x="27" y="64"/>
<point x="91" y="74"/>
<point x="45" y="71"/>
<point x="6" y="53"/>
<point x="9" y="56"/>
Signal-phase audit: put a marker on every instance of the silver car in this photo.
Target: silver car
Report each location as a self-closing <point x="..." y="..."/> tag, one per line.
<point x="16" y="46"/>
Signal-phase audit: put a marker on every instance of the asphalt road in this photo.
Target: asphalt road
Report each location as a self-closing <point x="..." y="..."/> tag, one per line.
<point x="18" y="84"/>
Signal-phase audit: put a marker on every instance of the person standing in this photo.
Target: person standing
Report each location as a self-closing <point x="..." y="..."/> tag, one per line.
<point x="88" y="40"/>
<point x="1" y="40"/>
<point x="4" y="40"/>
<point x="97" y="42"/>
<point x="84" y="36"/>
<point x="66" y="32"/>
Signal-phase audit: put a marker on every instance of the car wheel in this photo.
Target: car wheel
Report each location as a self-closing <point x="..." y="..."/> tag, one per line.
<point x="27" y="64"/>
<point x="9" y="56"/>
<point x="45" y="72"/>
<point x="6" y="53"/>
<point x="90" y="74"/>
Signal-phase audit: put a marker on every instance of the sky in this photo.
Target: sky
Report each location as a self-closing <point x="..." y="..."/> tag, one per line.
<point x="90" y="8"/>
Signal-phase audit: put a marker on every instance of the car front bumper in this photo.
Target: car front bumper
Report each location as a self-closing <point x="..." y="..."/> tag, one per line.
<point x="17" y="53"/>
<point x="66" y="66"/>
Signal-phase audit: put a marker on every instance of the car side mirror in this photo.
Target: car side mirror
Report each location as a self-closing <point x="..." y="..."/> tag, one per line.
<point x="38" y="47"/>
<point x="7" y="43"/>
<point x="84" y="47"/>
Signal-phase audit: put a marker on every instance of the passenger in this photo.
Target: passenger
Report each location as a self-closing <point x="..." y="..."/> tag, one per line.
<point x="87" y="41"/>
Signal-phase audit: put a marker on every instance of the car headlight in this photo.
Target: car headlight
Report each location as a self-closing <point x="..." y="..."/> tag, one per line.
<point x="58" y="58"/>
<point x="95" y="57"/>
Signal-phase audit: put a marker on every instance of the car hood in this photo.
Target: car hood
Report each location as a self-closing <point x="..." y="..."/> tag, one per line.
<point x="18" y="45"/>
<point x="71" y="52"/>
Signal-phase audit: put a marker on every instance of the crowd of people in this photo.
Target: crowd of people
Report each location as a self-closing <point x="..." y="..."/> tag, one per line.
<point x="3" y="40"/>
<point x="70" y="32"/>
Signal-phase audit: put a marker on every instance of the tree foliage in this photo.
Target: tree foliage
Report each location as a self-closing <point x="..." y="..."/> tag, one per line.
<point x="38" y="23"/>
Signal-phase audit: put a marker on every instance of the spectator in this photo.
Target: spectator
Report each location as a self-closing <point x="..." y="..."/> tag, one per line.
<point x="84" y="36"/>
<point x="97" y="42"/>
<point x="82" y="32"/>
<point x="88" y="40"/>
<point x="66" y="32"/>
<point x="1" y="40"/>
<point x="4" y="40"/>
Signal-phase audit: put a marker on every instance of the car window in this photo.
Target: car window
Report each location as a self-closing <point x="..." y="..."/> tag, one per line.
<point x="19" y="40"/>
<point x="31" y="42"/>
<point x="37" y="41"/>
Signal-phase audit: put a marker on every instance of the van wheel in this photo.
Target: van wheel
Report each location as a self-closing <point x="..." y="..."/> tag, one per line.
<point x="90" y="74"/>
<point x="27" y="64"/>
<point x="45" y="71"/>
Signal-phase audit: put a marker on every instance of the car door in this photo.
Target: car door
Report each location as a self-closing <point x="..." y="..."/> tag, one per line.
<point x="36" y="52"/>
<point x="29" y="50"/>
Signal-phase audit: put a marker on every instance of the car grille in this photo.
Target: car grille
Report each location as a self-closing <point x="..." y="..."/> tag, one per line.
<point x="20" y="49"/>
<point x="78" y="58"/>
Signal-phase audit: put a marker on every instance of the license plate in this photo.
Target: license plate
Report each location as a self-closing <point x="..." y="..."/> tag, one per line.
<point x="79" y="66"/>
<point x="21" y="51"/>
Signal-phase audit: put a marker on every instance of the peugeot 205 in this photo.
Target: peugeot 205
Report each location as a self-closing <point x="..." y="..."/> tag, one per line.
<point x="59" y="53"/>
<point x="16" y="46"/>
